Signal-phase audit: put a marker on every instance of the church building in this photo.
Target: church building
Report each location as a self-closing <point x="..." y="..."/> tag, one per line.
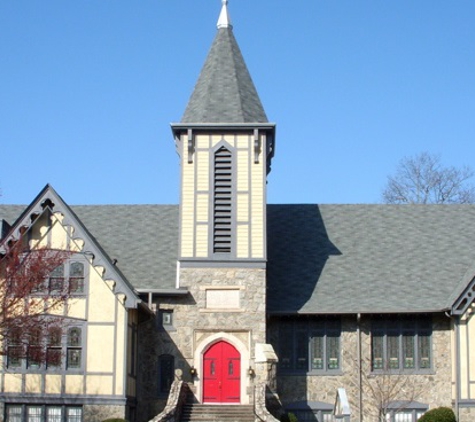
<point x="360" y="312"/>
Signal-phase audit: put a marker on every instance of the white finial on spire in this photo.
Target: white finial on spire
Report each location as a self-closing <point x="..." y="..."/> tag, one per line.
<point x="224" y="20"/>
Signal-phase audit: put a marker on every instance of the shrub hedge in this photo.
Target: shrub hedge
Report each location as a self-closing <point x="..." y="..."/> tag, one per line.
<point x="439" y="414"/>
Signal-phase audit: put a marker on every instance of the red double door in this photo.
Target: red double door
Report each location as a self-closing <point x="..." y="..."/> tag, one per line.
<point x="222" y="374"/>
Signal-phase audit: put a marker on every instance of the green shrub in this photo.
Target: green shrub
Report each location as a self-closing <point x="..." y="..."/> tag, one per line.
<point x="288" y="417"/>
<point x="439" y="414"/>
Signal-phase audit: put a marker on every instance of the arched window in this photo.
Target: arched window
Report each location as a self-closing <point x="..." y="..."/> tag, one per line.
<point x="76" y="277"/>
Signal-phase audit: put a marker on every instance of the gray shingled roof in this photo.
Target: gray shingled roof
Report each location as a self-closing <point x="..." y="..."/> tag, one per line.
<point x="321" y="258"/>
<point x="143" y="239"/>
<point x="368" y="258"/>
<point x="224" y="92"/>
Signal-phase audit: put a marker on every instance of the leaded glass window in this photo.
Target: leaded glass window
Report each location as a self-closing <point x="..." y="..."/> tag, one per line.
<point x="74" y="351"/>
<point x="309" y="345"/>
<point x="76" y="277"/>
<point x="42" y="413"/>
<point x="401" y="344"/>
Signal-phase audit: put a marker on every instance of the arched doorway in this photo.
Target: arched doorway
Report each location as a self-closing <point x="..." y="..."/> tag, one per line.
<point x="222" y="374"/>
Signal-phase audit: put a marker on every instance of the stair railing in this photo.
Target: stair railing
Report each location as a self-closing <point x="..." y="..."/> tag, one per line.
<point x="260" y="400"/>
<point x="175" y="401"/>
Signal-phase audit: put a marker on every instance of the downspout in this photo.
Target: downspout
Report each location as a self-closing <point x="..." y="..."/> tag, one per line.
<point x="360" y="369"/>
<point x="457" y="366"/>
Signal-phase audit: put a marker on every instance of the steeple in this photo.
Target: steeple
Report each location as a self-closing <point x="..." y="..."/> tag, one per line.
<point x="224" y="92"/>
<point x="226" y="145"/>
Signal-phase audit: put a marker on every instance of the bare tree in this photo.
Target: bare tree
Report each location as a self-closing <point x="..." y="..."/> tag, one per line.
<point x="383" y="392"/>
<point x="423" y="179"/>
<point x="32" y="301"/>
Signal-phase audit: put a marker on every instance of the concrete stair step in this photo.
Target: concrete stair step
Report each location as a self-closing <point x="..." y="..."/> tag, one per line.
<point x="217" y="413"/>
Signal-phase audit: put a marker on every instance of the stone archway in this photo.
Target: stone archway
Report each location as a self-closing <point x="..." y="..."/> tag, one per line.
<point x="242" y="351"/>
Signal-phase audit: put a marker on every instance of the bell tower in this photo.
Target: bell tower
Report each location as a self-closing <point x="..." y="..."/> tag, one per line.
<point x="225" y="144"/>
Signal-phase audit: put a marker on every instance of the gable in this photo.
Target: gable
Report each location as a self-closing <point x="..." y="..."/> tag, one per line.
<point x="63" y="230"/>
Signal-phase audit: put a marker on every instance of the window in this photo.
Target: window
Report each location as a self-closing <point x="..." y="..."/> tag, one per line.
<point x="222" y="206"/>
<point x="53" y="351"/>
<point x="166" y="373"/>
<point x="69" y="275"/>
<point x="401" y="345"/>
<point x="74" y="349"/>
<point x="47" y="351"/>
<point x="15" y="349"/>
<point x="35" y="349"/>
<point x="56" y="280"/>
<point x="13" y="413"/>
<point x="34" y="413"/>
<point x="76" y="277"/>
<point x="41" y="413"/>
<point x="405" y="411"/>
<point x="53" y="413"/>
<point x="312" y="411"/>
<point x="164" y="319"/>
<point x="309" y="345"/>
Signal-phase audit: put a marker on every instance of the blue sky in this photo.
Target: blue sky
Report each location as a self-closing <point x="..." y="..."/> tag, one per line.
<point x="88" y="89"/>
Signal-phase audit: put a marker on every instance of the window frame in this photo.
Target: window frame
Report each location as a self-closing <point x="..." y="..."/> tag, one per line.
<point x="44" y="346"/>
<point x="413" y="409"/>
<point x="314" y="411"/>
<point x="59" y="282"/>
<point x="165" y="320"/>
<point x="22" y="414"/>
<point x="297" y="343"/>
<point x="397" y="345"/>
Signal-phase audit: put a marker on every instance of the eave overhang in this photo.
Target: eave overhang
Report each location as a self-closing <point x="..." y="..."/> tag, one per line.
<point x="465" y="300"/>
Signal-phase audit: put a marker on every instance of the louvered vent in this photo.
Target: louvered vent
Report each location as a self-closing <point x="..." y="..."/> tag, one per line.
<point x="222" y="201"/>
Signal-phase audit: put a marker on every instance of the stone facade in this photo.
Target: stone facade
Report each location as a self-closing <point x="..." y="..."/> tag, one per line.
<point x="432" y="389"/>
<point x="196" y="327"/>
<point x="99" y="413"/>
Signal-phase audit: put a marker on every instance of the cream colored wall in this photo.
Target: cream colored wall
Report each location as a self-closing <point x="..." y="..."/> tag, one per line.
<point x="467" y="357"/>
<point x="196" y="195"/>
<point x="104" y="331"/>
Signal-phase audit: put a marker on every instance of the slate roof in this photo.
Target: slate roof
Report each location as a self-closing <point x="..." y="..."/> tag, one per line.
<point x="143" y="239"/>
<point x="368" y="258"/>
<point x="224" y="92"/>
<point x="321" y="258"/>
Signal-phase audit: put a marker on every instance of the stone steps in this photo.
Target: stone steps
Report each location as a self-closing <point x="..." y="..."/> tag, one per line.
<point x="193" y="412"/>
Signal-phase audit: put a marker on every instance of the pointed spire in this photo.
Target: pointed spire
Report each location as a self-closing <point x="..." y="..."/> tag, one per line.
<point x="224" y="92"/>
<point x="224" y="20"/>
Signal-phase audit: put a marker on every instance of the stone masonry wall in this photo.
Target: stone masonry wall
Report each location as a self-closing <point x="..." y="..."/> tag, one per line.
<point x="433" y="389"/>
<point x="99" y="413"/>
<point x="194" y="323"/>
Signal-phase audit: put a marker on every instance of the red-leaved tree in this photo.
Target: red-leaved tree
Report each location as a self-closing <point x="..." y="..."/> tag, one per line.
<point x="33" y="300"/>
